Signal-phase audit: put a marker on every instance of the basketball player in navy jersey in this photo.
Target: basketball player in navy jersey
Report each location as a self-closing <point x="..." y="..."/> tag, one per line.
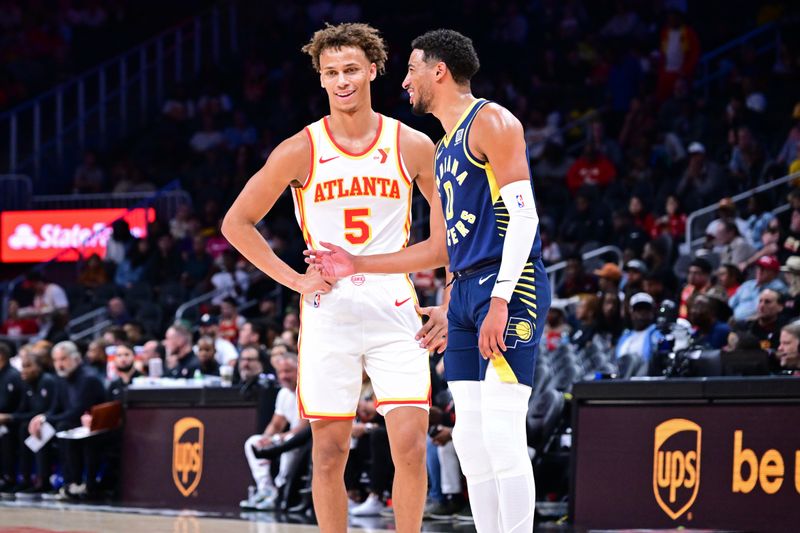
<point x="501" y="294"/>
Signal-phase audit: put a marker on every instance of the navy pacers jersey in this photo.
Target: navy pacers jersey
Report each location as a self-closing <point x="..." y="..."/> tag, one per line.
<point x="477" y="220"/>
<point x="474" y="212"/>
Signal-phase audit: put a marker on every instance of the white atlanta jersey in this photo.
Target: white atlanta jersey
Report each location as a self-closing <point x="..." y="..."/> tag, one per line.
<point x="361" y="202"/>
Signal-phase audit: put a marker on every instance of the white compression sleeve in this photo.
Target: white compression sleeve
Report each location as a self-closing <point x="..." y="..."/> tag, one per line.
<point x="520" y="234"/>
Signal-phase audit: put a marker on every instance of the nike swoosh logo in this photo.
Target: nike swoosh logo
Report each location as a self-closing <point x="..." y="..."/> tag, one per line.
<point x="398" y="304"/>
<point x="322" y="161"/>
<point x="485" y="279"/>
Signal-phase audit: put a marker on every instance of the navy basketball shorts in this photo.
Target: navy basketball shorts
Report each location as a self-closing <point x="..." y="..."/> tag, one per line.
<point x="469" y="303"/>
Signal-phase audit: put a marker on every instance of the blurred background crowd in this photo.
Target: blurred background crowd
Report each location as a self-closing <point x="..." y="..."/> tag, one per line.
<point x="627" y="136"/>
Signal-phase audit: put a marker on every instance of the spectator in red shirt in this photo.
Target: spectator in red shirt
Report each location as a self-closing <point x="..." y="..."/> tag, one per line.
<point x="591" y="168"/>
<point x="640" y="216"/>
<point x="15" y="326"/>
<point x="229" y="320"/>
<point x="680" y="52"/>
<point x="673" y="222"/>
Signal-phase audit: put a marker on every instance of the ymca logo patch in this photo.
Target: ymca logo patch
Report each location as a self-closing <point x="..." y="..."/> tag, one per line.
<point x="358" y="279"/>
<point x="459" y="136"/>
<point x="518" y="331"/>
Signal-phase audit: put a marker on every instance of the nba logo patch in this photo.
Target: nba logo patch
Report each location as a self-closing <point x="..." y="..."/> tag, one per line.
<point x="520" y="201"/>
<point x="317" y="299"/>
<point x="459" y="136"/>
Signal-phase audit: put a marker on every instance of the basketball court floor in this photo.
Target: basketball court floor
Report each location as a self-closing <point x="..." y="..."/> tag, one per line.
<point x="47" y="517"/>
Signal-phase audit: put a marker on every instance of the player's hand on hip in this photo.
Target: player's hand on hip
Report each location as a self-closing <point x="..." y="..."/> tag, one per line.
<point x="335" y="262"/>
<point x="312" y="281"/>
<point x="433" y="334"/>
<point x="493" y="329"/>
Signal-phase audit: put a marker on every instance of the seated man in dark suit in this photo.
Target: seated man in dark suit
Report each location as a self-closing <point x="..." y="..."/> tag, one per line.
<point x="79" y="389"/>
<point x="38" y="395"/>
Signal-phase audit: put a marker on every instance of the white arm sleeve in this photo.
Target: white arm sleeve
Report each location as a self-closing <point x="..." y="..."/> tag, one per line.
<point x="520" y="234"/>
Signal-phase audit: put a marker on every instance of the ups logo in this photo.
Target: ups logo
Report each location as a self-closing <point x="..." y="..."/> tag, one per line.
<point x="676" y="465"/>
<point x="187" y="454"/>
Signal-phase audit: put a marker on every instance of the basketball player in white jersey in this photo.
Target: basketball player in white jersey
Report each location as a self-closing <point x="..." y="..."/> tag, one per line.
<point x="351" y="175"/>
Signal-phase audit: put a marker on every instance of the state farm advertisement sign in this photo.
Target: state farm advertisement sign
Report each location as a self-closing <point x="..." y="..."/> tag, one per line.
<point x="64" y="234"/>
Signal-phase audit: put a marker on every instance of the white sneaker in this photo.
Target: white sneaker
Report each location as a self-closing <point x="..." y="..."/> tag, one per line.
<point x="372" y="506"/>
<point x="258" y="497"/>
<point x="352" y="504"/>
<point x="267" y="504"/>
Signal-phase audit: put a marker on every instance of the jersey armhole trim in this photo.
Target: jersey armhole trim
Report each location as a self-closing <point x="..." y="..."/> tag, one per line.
<point x="311" y="168"/>
<point x="475" y="160"/>
<point x="401" y="166"/>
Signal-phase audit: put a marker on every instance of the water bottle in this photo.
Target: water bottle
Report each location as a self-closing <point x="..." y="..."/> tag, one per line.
<point x="155" y="367"/>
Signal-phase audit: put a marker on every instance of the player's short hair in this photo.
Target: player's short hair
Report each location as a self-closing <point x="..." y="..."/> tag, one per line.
<point x="355" y="34"/>
<point x="452" y="48"/>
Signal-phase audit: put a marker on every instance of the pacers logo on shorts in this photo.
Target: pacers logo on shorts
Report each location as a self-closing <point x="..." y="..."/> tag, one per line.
<point x="676" y="465"/>
<point x="519" y="330"/>
<point x="187" y="454"/>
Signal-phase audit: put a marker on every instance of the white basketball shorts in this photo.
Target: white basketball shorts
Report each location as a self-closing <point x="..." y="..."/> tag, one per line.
<point x="367" y="322"/>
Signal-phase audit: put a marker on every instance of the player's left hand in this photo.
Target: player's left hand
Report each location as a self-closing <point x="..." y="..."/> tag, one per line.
<point x="493" y="329"/>
<point x="433" y="334"/>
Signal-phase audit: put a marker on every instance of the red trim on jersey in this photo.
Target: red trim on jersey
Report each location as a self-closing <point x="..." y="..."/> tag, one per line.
<point x="298" y="196"/>
<point x="351" y="154"/>
<point x="310" y="168"/>
<point x="400" y="158"/>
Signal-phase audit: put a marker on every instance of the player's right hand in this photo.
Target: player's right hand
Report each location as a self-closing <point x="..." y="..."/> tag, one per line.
<point x="312" y="281"/>
<point x="335" y="262"/>
<point x="433" y="335"/>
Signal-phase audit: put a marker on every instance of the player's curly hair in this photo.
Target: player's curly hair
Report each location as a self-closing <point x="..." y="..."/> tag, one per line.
<point x="356" y="34"/>
<point x="452" y="48"/>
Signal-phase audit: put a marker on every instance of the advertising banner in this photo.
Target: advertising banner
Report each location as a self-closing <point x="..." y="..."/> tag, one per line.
<point x="37" y="236"/>
<point x="718" y="466"/>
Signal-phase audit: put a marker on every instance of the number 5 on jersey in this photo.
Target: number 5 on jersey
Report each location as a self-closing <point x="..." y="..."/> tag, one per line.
<point x="356" y="229"/>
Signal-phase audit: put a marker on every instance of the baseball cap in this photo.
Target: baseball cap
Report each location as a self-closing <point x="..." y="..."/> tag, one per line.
<point x="697" y="148"/>
<point x="642" y="298"/>
<point x="208" y="320"/>
<point x="609" y="270"/>
<point x="636" y="264"/>
<point x="769" y="262"/>
<point x="792" y="264"/>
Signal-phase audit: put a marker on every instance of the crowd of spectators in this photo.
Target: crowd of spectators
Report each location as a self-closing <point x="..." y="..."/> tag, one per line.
<point x="651" y="149"/>
<point x="45" y="42"/>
